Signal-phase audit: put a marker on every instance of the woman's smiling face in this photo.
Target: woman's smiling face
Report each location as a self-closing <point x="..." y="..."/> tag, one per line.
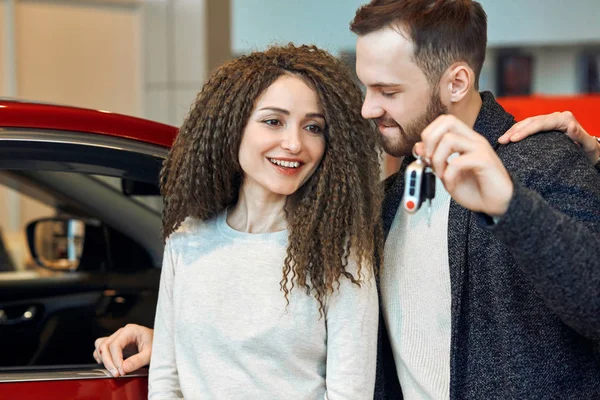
<point x="283" y="141"/>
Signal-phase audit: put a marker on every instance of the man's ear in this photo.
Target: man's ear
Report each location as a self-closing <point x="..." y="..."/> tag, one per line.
<point x="456" y="82"/>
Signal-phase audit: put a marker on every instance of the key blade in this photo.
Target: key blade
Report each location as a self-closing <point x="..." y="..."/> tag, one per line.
<point x="429" y="212"/>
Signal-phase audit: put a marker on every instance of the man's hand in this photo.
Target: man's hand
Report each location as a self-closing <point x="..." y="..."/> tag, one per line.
<point x="475" y="178"/>
<point x="131" y="339"/>
<point x="558" y="121"/>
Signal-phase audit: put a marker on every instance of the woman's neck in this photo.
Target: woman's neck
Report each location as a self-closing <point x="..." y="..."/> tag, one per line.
<point x="258" y="212"/>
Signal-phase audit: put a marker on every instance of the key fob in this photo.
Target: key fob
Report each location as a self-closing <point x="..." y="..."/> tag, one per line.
<point x="413" y="180"/>
<point x="428" y="185"/>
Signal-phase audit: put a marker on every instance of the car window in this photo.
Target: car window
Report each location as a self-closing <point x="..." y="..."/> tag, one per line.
<point x="132" y="207"/>
<point x="24" y="202"/>
<point x="14" y="255"/>
<point x="51" y="316"/>
<point x="27" y="198"/>
<point x="154" y="201"/>
<point x="98" y="250"/>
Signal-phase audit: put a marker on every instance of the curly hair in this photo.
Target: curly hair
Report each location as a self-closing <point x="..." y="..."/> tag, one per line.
<point x="335" y="214"/>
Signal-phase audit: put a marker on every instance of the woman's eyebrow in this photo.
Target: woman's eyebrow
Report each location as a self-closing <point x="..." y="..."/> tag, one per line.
<point x="286" y="112"/>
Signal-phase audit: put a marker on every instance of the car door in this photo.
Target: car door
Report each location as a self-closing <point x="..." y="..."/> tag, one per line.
<point x="49" y="317"/>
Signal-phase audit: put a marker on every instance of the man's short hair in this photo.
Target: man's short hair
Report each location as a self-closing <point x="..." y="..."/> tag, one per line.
<point x="443" y="31"/>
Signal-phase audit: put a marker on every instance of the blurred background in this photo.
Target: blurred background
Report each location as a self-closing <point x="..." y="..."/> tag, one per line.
<point x="150" y="58"/>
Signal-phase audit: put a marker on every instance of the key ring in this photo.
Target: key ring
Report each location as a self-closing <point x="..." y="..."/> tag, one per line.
<point x="415" y="154"/>
<point x="419" y="158"/>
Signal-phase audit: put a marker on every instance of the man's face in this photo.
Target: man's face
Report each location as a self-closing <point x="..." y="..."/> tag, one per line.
<point x="399" y="98"/>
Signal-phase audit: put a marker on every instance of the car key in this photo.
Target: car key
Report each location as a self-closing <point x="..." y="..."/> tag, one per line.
<point x="419" y="187"/>
<point x="413" y="188"/>
<point x="428" y="190"/>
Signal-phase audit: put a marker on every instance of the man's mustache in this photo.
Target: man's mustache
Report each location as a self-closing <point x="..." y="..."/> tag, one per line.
<point x="386" y="122"/>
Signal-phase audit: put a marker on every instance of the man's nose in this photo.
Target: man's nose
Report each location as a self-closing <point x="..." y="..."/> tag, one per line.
<point x="370" y="108"/>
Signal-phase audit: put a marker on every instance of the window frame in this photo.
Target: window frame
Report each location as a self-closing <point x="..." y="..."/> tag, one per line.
<point x="121" y="148"/>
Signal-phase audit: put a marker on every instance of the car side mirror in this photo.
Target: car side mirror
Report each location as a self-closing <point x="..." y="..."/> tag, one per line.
<point x="58" y="243"/>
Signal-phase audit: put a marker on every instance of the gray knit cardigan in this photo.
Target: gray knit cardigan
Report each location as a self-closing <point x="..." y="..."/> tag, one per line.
<point x="525" y="291"/>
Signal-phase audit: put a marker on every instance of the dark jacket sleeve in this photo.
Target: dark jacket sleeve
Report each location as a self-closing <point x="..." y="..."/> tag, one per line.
<point x="552" y="226"/>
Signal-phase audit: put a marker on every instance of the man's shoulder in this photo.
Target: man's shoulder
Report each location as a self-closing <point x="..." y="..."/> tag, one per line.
<point x="389" y="182"/>
<point x="541" y="148"/>
<point x="547" y="158"/>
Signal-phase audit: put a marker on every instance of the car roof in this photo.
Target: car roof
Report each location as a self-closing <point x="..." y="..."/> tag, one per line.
<point x="35" y="115"/>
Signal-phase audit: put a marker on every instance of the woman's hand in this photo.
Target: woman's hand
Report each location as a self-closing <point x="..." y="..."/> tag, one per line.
<point x="558" y="121"/>
<point x="133" y="342"/>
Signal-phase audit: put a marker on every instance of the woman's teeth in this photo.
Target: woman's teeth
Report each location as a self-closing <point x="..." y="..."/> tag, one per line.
<point x="286" y="164"/>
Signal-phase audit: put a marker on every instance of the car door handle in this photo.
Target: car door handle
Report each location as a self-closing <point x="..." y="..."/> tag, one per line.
<point x="28" y="315"/>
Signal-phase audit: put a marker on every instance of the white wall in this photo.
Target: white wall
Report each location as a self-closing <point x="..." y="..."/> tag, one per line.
<point x="553" y="31"/>
<point x="79" y="54"/>
<point x="174" y="48"/>
<point x="178" y="53"/>
<point x="554" y="69"/>
<point x="542" y="22"/>
<point x="257" y="23"/>
<point x="3" y="42"/>
<point x="7" y="48"/>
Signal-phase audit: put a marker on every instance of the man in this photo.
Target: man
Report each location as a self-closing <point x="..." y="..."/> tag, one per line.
<point x="498" y="298"/>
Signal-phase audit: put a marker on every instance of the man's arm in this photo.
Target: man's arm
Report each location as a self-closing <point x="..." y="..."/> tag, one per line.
<point x="553" y="231"/>
<point x="552" y="226"/>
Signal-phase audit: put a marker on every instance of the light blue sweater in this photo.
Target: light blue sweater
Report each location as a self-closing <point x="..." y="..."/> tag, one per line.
<point x="222" y="329"/>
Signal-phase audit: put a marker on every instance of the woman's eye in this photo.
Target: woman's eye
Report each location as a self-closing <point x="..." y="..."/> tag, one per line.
<point x="272" y="122"/>
<point x="388" y="94"/>
<point x="314" y="128"/>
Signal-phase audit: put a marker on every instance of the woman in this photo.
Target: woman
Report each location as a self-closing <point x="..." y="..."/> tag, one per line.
<point x="272" y="233"/>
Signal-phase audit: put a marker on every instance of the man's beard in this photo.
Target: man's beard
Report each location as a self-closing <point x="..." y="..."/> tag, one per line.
<point x="402" y="144"/>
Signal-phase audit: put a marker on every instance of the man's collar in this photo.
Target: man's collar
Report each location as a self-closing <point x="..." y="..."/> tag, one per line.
<point x="492" y="120"/>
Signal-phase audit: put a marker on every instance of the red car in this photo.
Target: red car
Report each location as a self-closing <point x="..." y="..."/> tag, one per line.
<point x="94" y="262"/>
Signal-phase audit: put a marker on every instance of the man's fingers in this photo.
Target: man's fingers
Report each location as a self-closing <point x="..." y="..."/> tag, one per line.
<point x="458" y="166"/>
<point x="444" y="124"/>
<point x="419" y="149"/>
<point x="449" y="144"/>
